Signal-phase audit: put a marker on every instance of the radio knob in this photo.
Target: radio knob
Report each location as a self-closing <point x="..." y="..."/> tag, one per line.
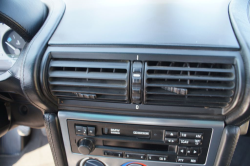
<point x="86" y="146"/>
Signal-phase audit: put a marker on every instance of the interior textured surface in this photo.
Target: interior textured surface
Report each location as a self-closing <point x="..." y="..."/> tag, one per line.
<point x="36" y="153"/>
<point x="242" y="153"/>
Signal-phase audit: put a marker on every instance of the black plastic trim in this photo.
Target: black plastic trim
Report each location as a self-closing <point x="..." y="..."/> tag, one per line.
<point x="30" y="67"/>
<point x="55" y="139"/>
<point x="239" y="15"/>
<point x="227" y="146"/>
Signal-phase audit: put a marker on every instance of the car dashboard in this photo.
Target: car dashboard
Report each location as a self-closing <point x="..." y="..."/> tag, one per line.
<point x="139" y="83"/>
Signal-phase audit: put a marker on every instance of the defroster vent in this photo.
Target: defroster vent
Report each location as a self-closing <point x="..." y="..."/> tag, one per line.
<point x="189" y="84"/>
<point x="89" y="80"/>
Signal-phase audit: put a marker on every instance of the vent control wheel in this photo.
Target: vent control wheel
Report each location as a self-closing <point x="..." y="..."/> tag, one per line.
<point x="137" y="83"/>
<point x="91" y="162"/>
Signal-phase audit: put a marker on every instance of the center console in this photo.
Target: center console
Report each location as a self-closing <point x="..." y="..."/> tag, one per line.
<point x="123" y="140"/>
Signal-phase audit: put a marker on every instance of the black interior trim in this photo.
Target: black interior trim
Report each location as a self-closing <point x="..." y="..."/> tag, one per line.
<point x="31" y="62"/>
<point x="239" y="14"/>
<point x="55" y="139"/>
<point x="24" y="20"/>
<point x="227" y="146"/>
<point x="145" y="54"/>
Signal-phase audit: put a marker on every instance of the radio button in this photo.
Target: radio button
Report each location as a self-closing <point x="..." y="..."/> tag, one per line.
<point x="181" y="159"/>
<point x="118" y="154"/>
<point x="189" y="151"/>
<point x="106" y="131"/>
<point x="135" y="156"/>
<point x="80" y="130"/>
<point x="157" y="157"/>
<point x="191" y="135"/>
<point x="91" y="131"/>
<point x="194" y="151"/>
<point x="182" y="150"/>
<point x="193" y="159"/>
<point x="108" y="153"/>
<point x="85" y="132"/>
<point x="172" y="148"/>
<point x="196" y="142"/>
<point x="141" y="134"/>
<point x="171" y="140"/>
<point x="115" y="154"/>
<point x="157" y="135"/>
<point x="171" y="134"/>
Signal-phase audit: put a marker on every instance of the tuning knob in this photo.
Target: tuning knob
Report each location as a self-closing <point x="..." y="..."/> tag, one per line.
<point x="86" y="146"/>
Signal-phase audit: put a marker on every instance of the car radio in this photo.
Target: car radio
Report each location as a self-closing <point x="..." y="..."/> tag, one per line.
<point x="140" y="142"/>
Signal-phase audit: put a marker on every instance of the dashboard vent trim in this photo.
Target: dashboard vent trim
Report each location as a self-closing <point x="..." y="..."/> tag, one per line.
<point x="189" y="84"/>
<point x="89" y="80"/>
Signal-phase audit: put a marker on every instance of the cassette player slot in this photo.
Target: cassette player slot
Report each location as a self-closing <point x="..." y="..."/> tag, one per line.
<point x="135" y="145"/>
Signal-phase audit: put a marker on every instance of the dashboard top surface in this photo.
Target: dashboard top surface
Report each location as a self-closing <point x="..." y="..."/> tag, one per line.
<point x="198" y="23"/>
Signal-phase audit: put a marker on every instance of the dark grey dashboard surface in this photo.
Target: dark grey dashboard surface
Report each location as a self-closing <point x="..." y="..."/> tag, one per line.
<point x="199" y="23"/>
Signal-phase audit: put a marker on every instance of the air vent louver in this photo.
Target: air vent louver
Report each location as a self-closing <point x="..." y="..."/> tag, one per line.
<point x="189" y="84"/>
<point x="90" y="80"/>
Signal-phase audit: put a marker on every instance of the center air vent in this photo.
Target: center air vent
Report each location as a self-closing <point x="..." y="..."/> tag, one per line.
<point x="90" y="80"/>
<point x="189" y="84"/>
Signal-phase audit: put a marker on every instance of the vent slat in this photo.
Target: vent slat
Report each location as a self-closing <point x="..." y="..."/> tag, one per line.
<point x="209" y="78"/>
<point x="189" y="84"/>
<point x="90" y="75"/>
<point x="189" y="99"/>
<point x="89" y="80"/>
<point x="89" y="90"/>
<point x="193" y="85"/>
<point x="190" y="104"/>
<point x="89" y="64"/>
<point x="107" y="84"/>
<point x="231" y="70"/>
<point x="100" y="97"/>
<point x="193" y="92"/>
